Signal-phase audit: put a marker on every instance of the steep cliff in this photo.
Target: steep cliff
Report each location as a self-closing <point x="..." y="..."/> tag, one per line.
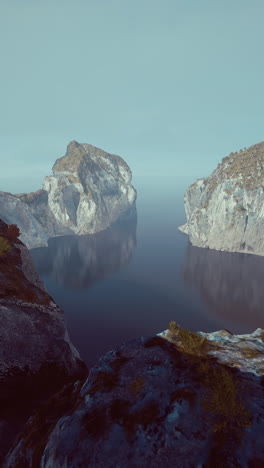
<point x="14" y="211"/>
<point x="226" y="210"/>
<point x="32" y="331"/>
<point x="88" y="191"/>
<point x="36" y="354"/>
<point x="178" y="400"/>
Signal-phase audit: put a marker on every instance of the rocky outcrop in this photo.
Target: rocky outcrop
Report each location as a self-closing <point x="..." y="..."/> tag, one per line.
<point x="179" y="400"/>
<point x="36" y="354"/>
<point x="14" y="211"/>
<point x="88" y="191"/>
<point x="226" y="210"/>
<point x="32" y="330"/>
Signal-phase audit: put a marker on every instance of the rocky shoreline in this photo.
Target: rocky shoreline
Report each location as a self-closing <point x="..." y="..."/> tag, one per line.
<point x="225" y="210"/>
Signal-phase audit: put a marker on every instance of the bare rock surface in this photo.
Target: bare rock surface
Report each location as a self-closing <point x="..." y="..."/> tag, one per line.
<point x="36" y="354"/>
<point x="155" y="402"/>
<point x="15" y="211"/>
<point x="88" y="191"/>
<point x="32" y="330"/>
<point x="225" y="211"/>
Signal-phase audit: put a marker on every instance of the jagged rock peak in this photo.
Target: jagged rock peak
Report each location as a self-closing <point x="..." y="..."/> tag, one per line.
<point x="73" y="146"/>
<point x="77" y="154"/>
<point x="88" y="191"/>
<point x="225" y="210"/>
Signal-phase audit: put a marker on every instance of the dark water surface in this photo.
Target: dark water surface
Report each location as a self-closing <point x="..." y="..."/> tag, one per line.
<point x="132" y="279"/>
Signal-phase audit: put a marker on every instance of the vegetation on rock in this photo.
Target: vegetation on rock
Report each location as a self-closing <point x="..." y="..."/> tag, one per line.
<point x="13" y="283"/>
<point x="222" y="400"/>
<point x="137" y="385"/>
<point x="252" y="353"/>
<point x="4" y="245"/>
<point x="189" y="342"/>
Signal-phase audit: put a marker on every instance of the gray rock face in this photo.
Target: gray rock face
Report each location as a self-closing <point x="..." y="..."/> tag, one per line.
<point x="36" y="354"/>
<point x="14" y="211"/>
<point x="88" y="191"/>
<point x="226" y="210"/>
<point x="150" y="403"/>
<point x="32" y="331"/>
<point x="28" y="267"/>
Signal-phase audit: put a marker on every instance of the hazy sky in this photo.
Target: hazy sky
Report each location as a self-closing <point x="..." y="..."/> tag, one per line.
<point x="170" y="85"/>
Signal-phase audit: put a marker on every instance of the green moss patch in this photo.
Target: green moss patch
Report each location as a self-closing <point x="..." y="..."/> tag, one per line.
<point x="223" y="403"/>
<point x="5" y="246"/>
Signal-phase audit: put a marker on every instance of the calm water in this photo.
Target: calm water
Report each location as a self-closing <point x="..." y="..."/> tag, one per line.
<point x="132" y="279"/>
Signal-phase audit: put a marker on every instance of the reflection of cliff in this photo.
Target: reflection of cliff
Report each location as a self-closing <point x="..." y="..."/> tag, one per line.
<point x="78" y="261"/>
<point x="231" y="284"/>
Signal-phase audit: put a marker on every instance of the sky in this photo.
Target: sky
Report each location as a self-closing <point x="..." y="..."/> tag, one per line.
<point x="172" y="86"/>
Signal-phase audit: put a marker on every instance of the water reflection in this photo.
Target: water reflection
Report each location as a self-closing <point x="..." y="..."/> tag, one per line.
<point x="231" y="284"/>
<point x="78" y="261"/>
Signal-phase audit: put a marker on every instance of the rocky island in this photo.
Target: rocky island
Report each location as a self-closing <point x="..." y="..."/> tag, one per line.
<point x="225" y="211"/>
<point x="89" y="190"/>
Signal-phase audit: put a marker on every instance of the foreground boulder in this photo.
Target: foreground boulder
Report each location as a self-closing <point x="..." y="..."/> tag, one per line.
<point x="225" y="211"/>
<point x="88" y="191"/>
<point x="181" y="399"/>
<point x="36" y="355"/>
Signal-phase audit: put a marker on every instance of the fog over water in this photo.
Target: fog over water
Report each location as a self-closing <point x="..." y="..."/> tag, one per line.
<point x="135" y="277"/>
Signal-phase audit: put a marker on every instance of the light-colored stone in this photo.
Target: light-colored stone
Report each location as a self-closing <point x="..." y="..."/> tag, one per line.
<point x="226" y="210"/>
<point x="245" y="352"/>
<point x="88" y="191"/>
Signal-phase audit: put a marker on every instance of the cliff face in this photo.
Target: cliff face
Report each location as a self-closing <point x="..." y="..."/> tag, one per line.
<point x="36" y="354"/>
<point x="226" y="210"/>
<point x="162" y="401"/>
<point x="88" y="191"/>
<point x="32" y="332"/>
<point x="14" y="211"/>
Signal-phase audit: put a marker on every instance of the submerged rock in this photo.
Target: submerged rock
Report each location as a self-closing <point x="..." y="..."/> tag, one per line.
<point x="164" y="401"/>
<point x="225" y="210"/>
<point x="88" y="191"/>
